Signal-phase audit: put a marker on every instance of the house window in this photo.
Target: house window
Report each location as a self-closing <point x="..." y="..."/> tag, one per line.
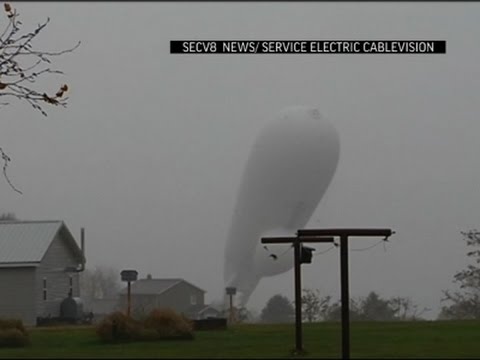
<point x="193" y="299"/>
<point x="44" y="288"/>
<point x="71" y="284"/>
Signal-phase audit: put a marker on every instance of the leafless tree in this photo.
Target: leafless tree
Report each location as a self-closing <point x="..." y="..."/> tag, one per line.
<point x="99" y="283"/>
<point x="375" y="308"/>
<point x="314" y="306"/>
<point x="21" y="66"/>
<point x="8" y="216"/>
<point x="465" y="303"/>
<point x="406" y="310"/>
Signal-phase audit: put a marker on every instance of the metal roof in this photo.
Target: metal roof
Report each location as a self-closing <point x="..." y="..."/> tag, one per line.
<point x="26" y="242"/>
<point x="154" y="286"/>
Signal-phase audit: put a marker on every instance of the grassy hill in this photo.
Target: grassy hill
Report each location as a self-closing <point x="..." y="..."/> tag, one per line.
<point x="440" y="339"/>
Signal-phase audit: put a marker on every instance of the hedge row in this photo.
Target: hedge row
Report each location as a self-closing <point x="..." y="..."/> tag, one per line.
<point x="159" y="324"/>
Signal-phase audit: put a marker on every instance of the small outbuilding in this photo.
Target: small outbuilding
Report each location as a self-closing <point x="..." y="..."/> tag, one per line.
<point x="174" y="293"/>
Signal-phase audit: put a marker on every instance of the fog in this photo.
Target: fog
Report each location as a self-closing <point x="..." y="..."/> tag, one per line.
<point x="150" y="153"/>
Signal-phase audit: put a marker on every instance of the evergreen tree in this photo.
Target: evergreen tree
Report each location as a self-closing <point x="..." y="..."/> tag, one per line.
<point x="278" y="310"/>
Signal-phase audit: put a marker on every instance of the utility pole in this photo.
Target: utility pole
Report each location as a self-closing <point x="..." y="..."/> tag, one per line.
<point x="230" y="291"/>
<point x="129" y="276"/>
<point x="344" y="234"/>
<point x="302" y="255"/>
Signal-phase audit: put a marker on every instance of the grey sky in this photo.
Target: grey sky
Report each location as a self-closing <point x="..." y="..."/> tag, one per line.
<point x="149" y="154"/>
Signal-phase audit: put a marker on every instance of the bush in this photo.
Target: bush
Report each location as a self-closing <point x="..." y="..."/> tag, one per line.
<point x="159" y="324"/>
<point x="169" y="324"/>
<point x="13" y="333"/>
<point x="118" y="327"/>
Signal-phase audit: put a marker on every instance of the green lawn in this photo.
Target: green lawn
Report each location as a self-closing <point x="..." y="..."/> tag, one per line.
<point x="447" y="339"/>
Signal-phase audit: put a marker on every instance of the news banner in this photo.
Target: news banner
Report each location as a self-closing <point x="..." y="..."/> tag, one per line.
<point x="308" y="46"/>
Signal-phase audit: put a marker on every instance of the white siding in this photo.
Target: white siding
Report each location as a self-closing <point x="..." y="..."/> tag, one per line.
<point x="17" y="294"/>
<point x="56" y="259"/>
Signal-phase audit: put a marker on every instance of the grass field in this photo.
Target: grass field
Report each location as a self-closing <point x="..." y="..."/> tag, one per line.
<point x="446" y="339"/>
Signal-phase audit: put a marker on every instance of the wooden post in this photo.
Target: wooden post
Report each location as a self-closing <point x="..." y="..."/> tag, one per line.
<point x="129" y="276"/>
<point x="128" y="300"/>
<point x="298" y="298"/>
<point x="230" y="291"/>
<point x="345" y="297"/>
<point x="297" y="246"/>
<point x="344" y="234"/>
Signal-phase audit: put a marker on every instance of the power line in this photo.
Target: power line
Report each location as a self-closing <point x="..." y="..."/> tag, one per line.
<point x="325" y="251"/>
<point x="276" y="257"/>
<point x="369" y="247"/>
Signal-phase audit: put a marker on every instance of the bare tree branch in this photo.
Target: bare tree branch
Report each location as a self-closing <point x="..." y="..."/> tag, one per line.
<point x="6" y="159"/>
<point x="465" y="304"/>
<point x="21" y="65"/>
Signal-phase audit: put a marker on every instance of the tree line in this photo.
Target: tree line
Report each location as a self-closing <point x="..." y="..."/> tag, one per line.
<point x="279" y="309"/>
<point x="462" y="304"/>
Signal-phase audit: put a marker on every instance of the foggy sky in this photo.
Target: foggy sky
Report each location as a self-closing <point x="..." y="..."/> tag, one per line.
<point x="149" y="154"/>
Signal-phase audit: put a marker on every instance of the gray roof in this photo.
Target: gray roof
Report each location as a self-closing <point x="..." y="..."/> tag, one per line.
<point x="26" y="242"/>
<point x="154" y="286"/>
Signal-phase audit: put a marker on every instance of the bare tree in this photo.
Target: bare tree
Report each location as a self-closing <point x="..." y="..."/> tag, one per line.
<point x="8" y="216"/>
<point x="244" y="315"/>
<point x="405" y="309"/>
<point x="241" y="314"/>
<point x="334" y="311"/>
<point x="21" y="66"/>
<point x="465" y="304"/>
<point x="375" y="308"/>
<point x="99" y="283"/>
<point x="314" y="306"/>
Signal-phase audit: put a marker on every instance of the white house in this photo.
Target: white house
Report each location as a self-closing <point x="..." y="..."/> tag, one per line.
<point x="40" y="263"/>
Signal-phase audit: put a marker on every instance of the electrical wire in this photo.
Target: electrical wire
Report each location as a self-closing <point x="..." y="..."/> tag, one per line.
<point x="372" y="246"/>
<point x="276" y="257"/>
<point x="325" y="251"/>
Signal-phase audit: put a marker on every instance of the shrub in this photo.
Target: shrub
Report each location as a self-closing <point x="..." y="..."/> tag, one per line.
<point x="169" y="324"/>
<point x="13" y="324"/>
<point x="13" y="333"/>
<point x="148" y="334"/>
<point x="159" y="324"/>
<point x="118" y="327"/>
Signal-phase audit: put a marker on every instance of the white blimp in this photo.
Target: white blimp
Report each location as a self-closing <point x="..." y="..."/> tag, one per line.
<point x="289" y="168"/>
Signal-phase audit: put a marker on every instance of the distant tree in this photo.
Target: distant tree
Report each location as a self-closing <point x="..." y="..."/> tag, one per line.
<point x="99" y="283"/>
<point x="465" y="303"/>
<point x="406" y="310"/>
<point x="8" y="217"/>
<point x="314" y="306"/>
<point x="374" y="308"/>
<point x="334" y="311"/>
<point x="21" y="65"/>
<point x="244" y="315"/>
<point x="277" y="310"/>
